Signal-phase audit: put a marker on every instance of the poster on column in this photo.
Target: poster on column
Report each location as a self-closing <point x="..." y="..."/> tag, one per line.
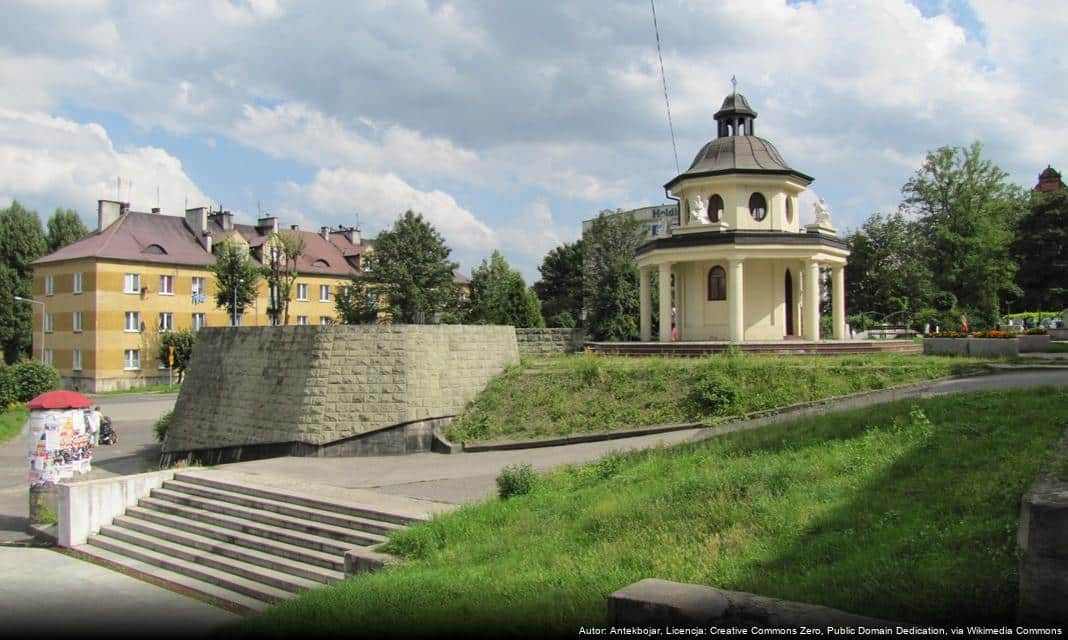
<point x="59" y="445"/>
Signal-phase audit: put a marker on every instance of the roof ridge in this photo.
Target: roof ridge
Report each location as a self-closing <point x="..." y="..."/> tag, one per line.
<point x="112" y="228"/>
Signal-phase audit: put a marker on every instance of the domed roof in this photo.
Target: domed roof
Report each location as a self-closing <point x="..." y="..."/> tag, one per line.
<point x="735" y="103"/>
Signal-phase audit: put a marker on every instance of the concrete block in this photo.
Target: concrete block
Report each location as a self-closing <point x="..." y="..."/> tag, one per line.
<point x="84" y="507"/>
<point x="993" y="346"/>
<point x="946" y="346"/>
<point x="1034" y="344"/>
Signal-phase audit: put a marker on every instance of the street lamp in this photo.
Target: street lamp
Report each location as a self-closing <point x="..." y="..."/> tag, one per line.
<point x="32" y="301"/>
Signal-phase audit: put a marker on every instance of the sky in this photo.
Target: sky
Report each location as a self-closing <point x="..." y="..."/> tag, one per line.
<point x="507" y="122"/>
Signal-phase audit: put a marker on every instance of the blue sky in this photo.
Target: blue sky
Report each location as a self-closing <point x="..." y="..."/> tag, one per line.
<point x="505" y="123"/>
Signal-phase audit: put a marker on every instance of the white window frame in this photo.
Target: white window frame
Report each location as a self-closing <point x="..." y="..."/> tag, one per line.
<point x="129" y="278"/>
<point x="200" y="285"/>
<point x="78" y="284"/>
<point x="324" y="293"/>
<point x="76" y="360"/>
<point x="166" y="321"/>
<point x="49" y="356"/>
<point x="76" y="322"/>
<point x="168" y="291"/>
<point x="200" y="321"/>
<point x="136" y="316"/>
<point x="326" y="320"/>
<point x="131" y="363"/>
<point x="49" y="322"/>
<point x="50" y="285"/>
<point x="302" y="320"/>
<point x="302" y="291"/>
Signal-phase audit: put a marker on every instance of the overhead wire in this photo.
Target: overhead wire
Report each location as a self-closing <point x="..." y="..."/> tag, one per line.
<point x="663" y="79"/>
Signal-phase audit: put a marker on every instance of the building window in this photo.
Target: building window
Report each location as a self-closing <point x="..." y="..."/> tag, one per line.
<point x="77" y="321"/>
<point x="133" y="321"/>
<point x="199" y="285"/>
<point x="50" y="285"/>
<point x="166" y="285"/>
<point x="717" y="283"/>
<point x="715" y="208"/>
<point x="76" y="360"/>
<point x="758" y="206"/>
<point x="49" y="323"/>
<point x="198" y="321"/>
<point x="324" y="293"/>
<point x="48" y="356"/>
<point x="78" y="282"/>
<point x="302" y="291"/>
<point x="789" y="209"/>
<point x="132" y="283"/>
<point x="131" y="359"/>
<point x="166" y="321"/>
<point x="302" y="320"/>
<point x="324" y="320"/>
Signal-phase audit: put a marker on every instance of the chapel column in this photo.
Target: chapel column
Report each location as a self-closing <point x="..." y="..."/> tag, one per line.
<point x="838" y="302"/>
<point x="812" y="300"/>
<point x="735" y="302"/>
<point x="665" y="302"/>
<point x="646" y="313"/>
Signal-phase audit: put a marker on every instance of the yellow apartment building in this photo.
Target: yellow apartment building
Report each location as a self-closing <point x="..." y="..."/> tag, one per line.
<point x="109" y="296"/>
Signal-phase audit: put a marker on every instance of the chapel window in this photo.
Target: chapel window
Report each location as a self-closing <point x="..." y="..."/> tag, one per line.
<point x="715" y="208"/>
<point x="717" y="283"/>
<point x="758" y="206"/>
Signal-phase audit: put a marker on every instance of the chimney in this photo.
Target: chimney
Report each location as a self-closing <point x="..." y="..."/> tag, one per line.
<point x="325" y="232"/>
<point x="107" y="212"/>
<point x="295" y="227"/>
<point x="155" y="210"/>
<point x="267" y="225"/>
<point x="206" y="238"/>
<point x="224" y="219"/>
<point x="353" y="235"/>
<point x="197" y="219"/>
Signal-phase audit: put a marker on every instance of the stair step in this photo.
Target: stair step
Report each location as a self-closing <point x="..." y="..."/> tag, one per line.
<point x="260" y="568"/>
<point x="209" y="589"/>
<point x="223" y="579"/>
<point x="283" y="508"/>
<point x="293" y="498"/>
<point x="174" y="527"/>
<point x="271" y="532"/>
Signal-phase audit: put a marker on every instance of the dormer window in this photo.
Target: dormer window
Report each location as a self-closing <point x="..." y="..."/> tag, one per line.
<point x="155" y="249"/>
<point x="321" y="263"/>
<point x="758" y="206"/>
<point x="715" y="208"/>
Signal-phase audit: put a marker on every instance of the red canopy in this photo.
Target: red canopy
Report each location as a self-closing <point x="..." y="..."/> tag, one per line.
<point x="60" y="400"/>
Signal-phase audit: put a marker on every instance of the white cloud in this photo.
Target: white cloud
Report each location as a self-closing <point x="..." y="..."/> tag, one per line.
<point x="57" y="162"/>
<point x="380" y="198"/>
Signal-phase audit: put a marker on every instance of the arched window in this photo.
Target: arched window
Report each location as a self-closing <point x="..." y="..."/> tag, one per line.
<point x="717" y="283"/>
<point x="789" y="209"/>
<point x="156" y="250"/>
<point x="715" y="208"/>
<point x="758" y="206"/>
<point x="320" y="263"/>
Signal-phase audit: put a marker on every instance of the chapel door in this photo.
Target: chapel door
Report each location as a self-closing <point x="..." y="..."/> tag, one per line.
<point x="789" y="304"/>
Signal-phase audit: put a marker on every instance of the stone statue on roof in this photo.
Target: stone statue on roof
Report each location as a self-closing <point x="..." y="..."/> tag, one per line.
<point x="699" y="209"/>
<point x="823" y="214"/>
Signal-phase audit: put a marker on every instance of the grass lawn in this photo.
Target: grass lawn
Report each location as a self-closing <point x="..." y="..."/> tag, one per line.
<point x="11" y="422"/>
<point x="151" y="388"/>
<point x="907" y="511"/>
<point x="1058" y="347"/>
<point x="562" y="395"/>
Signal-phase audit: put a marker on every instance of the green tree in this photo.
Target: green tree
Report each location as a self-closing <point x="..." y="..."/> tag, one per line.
<point x="611" y="281"/>
<point x="886" y="272"/>
<point x="64" y="227"/>
<point x="281" y="252"/>
<point x="236" y="278"/>
<point x="182" y="341"/>
<point x="355" y="304"/>
<point x="500" y="296"/>
<point x="410" y="272"/>
<point x="1041" y="247"/>
<point x="965" y="210"/>
<point x="21" y="242"/>
<point x="560" y="287"/>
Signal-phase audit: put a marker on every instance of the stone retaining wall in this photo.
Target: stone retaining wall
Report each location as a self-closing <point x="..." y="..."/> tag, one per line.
<point x="972" y="346"/>
<point x="540" y="342"/>
<point x="322" y="384"/>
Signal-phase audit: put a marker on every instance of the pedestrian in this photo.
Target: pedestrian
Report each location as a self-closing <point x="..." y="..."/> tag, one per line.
<point x="97" y="421"/>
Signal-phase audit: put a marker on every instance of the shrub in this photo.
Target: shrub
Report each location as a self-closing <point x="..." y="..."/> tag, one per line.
<point x="516" y="480"/>
<point x="1037" y="331"/>
<point x="161" y="426"/>
<point x="26" y="380"/>
<point x="948" y="334"/>
<point x="1001" y="335"/>
<point x="714" y="393"/>
<point x="590" y="371"/>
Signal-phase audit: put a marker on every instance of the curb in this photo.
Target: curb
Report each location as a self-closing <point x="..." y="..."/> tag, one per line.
<point x="579" y="438"/>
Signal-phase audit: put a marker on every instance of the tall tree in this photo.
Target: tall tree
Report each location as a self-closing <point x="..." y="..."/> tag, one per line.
<point x="611" y="282"/>
<point x="22" y="241"/>
<point x="500" y="296"/>
<point x="965" y="210"/>
<point x="281" y="252"/>
<point x="410" y="271"/>
<point x="560" y="287"/>
<point x="886" y="272"/>
<point x="182" y="341"/>
<point x="1041" y="247"/>
<point x="236" y="278"/>
<point x="64" y="227"/>
<point x="356" y="304"/>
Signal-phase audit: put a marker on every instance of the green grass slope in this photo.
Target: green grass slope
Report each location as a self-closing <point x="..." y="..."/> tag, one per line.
<point x="906" y="511"/>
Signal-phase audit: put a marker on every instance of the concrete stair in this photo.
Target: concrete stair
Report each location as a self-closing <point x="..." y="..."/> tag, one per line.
<point x="239" y="543"/>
